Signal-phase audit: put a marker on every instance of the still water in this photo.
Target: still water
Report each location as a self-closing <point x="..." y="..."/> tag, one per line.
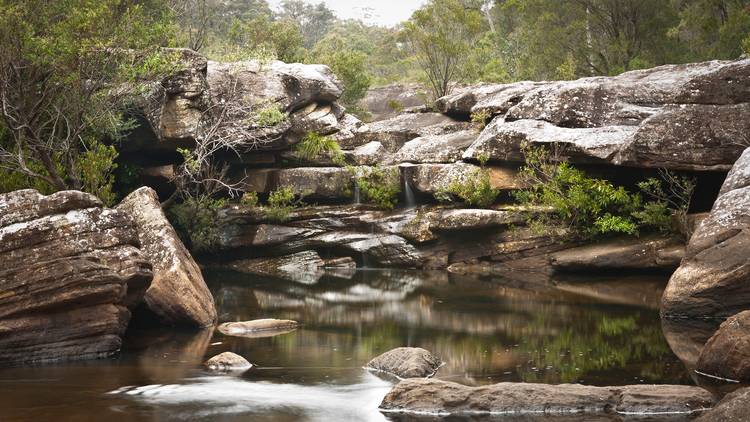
<point x="488" y="330"/>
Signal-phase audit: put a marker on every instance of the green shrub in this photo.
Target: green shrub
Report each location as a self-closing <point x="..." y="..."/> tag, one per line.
<point x="669" y="205"/>
<point x="746" y="45"/>
<point x="196" y="220"/>
<point x="314" y="145"/>
<point x="269" y="115"/>
<point x="249" y="199"/>
<point x="396" y="105"/>
<point x="281" y="203"/>
<point x="473" y="189"/>
<point x="480" y="118"/>
<point x="379" y="186"/>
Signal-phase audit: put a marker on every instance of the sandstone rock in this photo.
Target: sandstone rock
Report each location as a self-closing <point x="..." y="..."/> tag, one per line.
<point x="435" y="396"/>
<point x="263" y="326"/>
<point x="318" y="182"/>
<point x="406" y="362"/>
<point x="303" y="267"/>
<point x="66" y="266"/>
<point x="429" y="179"/>
<point x="446" y="148"/>
<point x="368" y="154"/>
<point x="488" y="98"/>
<point x="712" y="279"/>
<point x="648" y="253"/>
<point x="734" y="407"/>
<point x="726" y="355"/>
<point x="344" y="262"/>
<point x="381" y="249"/>
<point x="228" y="362"/>
<point x="178" y="293"/>
<point x="395" y="132"/>
<point x="380" y="101"/>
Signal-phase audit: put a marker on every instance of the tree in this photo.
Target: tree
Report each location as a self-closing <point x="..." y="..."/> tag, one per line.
<point x="61" y="66"/>
<point x="313" y="21"/>
<point x="712" y="28"/>
<point x="441" y="34"/>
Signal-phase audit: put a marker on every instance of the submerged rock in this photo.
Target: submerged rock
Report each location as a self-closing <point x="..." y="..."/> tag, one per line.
<point x="178" y="293"/>
<point x="68" y="270"/>
<point x="263" y="327"/>
<point x="406" y="362"/>
<point x="712" y="279"/>
<point x="228" y="362"/>
<point x="440" y="397"/>
<point x="727" y="353"/>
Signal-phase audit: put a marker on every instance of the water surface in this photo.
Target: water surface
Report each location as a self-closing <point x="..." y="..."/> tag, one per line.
<point x="602" y="331"/>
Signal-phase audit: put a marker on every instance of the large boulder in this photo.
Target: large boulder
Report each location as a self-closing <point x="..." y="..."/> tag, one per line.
<point x="384" y="102"/>
<point x="712" y="280"/>
<point x="429" y="179"/>
<point x="395" y="132"/>
<point x="734" y="407"/>
<point x="406" y="362"/>
<point x="648" y="253"/>
<point x="446" y="148"/>
<point x="178" y="293"/>
<point x="228" y="362"/>
<point x="66" y="267"/>
<point x="303" y="267"/>
<point x="429" y="396"/>
<point x="486" y="98"/>
<point x="681" y="117"/>
<point x="726" y="355"/>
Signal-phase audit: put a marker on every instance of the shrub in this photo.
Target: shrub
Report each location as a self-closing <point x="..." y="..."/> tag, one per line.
<point x="196" y="220"/>
<point x="269" y="115"/>
<point x="281" y="203"/>
<point x="480" y="118"/>
<point x="667" y="205"/>
<point x="380" y="187"/>
<point x="396" y="105"/>
<point x="314" y="145"/>
<point x="474" y="189"/>
<point x="249" y="199"/>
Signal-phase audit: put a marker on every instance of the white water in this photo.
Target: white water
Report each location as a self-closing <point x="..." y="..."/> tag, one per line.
<point x="216" y="396"/>
<point x="411" y="202"/>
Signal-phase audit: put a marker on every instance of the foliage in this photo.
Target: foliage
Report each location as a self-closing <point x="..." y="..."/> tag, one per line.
<point x="349" y="65"/>
<point x="314" y="145"/>
<point x="396" y="105"/>
<point x="667" y="204"/>
<point x="441" y="34"/>
<point x="58" y="61"/>
<point x="281" y="203"/>
<point x="249" y="199"/>
<point x="480" y="118"/>
<point x="379" y="186"/>
<point x="746" y="45"/>
<point x="269" y="115"/>
<point x="474" y="189"/>
<point x="195" y="220"/>
<point x="585" y="206"/>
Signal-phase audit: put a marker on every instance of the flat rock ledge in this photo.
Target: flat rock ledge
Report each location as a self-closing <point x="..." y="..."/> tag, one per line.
<point x="258" y="327"/>
<point x="429" y="396"/>
<point x="227" y="362"/>
<point x="406" y="362"/>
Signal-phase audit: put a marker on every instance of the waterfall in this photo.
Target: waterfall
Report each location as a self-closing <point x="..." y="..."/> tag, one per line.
<point x="411" y="202"/>
<point x="357" y="200"/>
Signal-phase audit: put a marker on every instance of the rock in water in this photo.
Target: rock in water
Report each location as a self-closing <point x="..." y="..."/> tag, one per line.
<point x="228" y="362"/>
<point x="178" y="293"/>
<point x="68" y="268"/>
<point x="435" y="397"/>
<point x="258" y="327"/>
<point x="734" y="407"/>
<point x="302" y="267"/>
<point x="712" y="280"/>
<point x="406" y="362"/>
<point x="727" y="353"/>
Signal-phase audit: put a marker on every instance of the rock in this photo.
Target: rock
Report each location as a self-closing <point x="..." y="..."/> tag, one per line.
<point x="429" y="179"/>
<point x="368" y="154"/>
<point x="381" y="249"/>
<point x="446" y="148"/>
<point x="645" y="118"/>
<point x="726" y="355"/>
<point x="734" y="407"/>
<point x="406" y="362"/>
<point x="262" y="326"/>
<point x="440" y="397"/>
<point x="344" y="262"/>
<point x="686" y="337"/>
<point x="318" y="182"/>
<point x="395" y="132"/>
<point x="303" y="267"/>
<point x="178" y="293"/>
<point x="384" y="102"/>
<point x="648" y="253"/>
<point x="68" y="270"/>
<point x="712" y="279"/>
<point x="485" y="98"/>
<point x="228" y="362"/>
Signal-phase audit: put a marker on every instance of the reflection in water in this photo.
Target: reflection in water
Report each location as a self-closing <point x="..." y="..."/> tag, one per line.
<point x="601" y="332"/>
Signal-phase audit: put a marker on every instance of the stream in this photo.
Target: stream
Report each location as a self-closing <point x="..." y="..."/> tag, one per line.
<point x="603" y="331"/>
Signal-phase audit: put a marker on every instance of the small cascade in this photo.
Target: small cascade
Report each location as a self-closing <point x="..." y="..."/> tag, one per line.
<point x="411" y="202"/>
<point x="357" y="200"/>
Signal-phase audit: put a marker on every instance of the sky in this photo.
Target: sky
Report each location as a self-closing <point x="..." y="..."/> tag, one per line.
<point x="378" y="12"/>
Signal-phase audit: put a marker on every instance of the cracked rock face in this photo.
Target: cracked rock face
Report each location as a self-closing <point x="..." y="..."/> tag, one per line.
<point x="69" y="269"/>
<point x="406" y="362"/>
<point x="712" y="280"/>
<point x="178" y="293"/>
<point x="436" y="396"/>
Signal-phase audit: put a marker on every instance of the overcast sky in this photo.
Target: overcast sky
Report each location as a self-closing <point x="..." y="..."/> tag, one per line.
<point x="380" y="12"/>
